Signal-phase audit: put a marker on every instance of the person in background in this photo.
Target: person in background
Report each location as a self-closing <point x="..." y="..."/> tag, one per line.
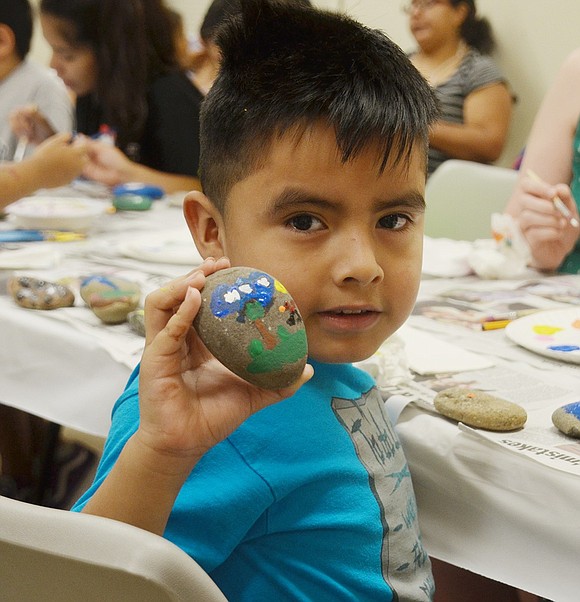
<point x="314" y="141"/>
<point x="551" y="168"/>
<point x="476" y="104"/>
<point x="203" y="62"/>
<point x="23" y="82"/>
<point x="120" y="60"/>
<point x="54" y="163"/>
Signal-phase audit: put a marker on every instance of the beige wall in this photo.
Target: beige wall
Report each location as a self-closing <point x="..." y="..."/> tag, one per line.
<point x="533" y="38"/>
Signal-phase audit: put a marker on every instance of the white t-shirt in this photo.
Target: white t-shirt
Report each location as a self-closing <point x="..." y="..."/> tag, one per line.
<point x="31" y="83"/>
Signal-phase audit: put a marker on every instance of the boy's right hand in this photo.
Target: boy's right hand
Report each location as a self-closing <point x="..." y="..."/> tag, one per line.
<point x="189" y="401"/>
<point x="28" y="122"/>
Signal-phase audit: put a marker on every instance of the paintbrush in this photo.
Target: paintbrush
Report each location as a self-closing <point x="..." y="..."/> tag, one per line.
<point x="558" y="202"/>
<point x="20" y="149"/>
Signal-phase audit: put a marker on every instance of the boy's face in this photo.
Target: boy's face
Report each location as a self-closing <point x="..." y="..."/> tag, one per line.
<point x="344" y="240"/>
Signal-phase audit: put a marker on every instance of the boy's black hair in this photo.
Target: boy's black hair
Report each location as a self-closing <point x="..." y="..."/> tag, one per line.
<point x="17" y="14"/>
<point x="221" y="10"/>
<point x="286" y="68"/>
<point x="217" y="13"/>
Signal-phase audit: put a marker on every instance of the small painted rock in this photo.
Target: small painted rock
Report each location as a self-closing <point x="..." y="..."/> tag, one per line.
<point x="480" y="410"/>
<point x="567" y="419"/>
<point x="33" y="293"/>
<point x="132" y="202"/>
<point x="111" y="299"/>
<point x="249" y="321"/>
<point x="136" y="321"/>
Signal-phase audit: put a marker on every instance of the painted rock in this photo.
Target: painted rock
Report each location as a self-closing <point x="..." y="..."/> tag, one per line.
<point x="33" y="293"/>
<point x="111" y="299"/>
<point x="480" y="410"/>
<point x="132" y="202"/>
<point x="136" y="321"/>
<point x="567" y="419"/>
<point x="249" y="321"/>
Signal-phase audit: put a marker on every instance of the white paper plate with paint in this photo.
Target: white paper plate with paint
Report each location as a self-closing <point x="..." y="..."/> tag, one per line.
<point x="168" y="246"/>
<point x="56" y="213"/>
<point x="554" y="333"/>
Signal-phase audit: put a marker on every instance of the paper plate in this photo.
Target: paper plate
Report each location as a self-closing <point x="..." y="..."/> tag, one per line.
<point x="554" y="333"/>
<point x="173" y="247"/>
<point x="55" y="213"/>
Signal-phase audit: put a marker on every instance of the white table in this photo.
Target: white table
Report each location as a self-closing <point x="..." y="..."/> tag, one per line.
<point x="494" y="510"/>
<point x="53" y="369"/>
<point x="481" y="506"/>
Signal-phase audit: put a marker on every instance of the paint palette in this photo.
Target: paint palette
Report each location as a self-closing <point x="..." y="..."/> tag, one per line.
<point x="553" y="333"/>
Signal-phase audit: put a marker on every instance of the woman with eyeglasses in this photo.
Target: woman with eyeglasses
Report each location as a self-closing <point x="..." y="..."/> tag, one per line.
<point x="454" y="44"/>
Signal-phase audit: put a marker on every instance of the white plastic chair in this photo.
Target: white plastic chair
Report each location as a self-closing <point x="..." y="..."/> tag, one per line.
<point x="462" y="195"/>
<point x="56" y="555"/>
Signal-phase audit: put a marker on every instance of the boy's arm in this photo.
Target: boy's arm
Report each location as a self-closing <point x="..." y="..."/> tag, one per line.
<point x="188" y="403"/>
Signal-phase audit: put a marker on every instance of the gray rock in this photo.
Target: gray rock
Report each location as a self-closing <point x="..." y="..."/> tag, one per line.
<point x="136" y="321"/>
<point x="33" y="293"/>
<point x="251" y="324"/>
<point x="567" y="419"/>
<point x="480" y="410"/>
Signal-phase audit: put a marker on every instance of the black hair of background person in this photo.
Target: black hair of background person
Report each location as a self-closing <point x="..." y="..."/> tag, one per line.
<point x="17" y="14"/>
<point x="268" y="89"/>
<point x="133" y="43"/>
<point x="476" y="31"/>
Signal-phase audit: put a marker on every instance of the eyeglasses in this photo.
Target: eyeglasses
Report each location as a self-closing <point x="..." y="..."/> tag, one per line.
<point x="409" y="7"/>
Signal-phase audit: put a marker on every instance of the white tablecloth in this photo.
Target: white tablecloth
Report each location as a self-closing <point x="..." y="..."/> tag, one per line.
<point x="482" y="506"/>
<point x="64" y="365"/>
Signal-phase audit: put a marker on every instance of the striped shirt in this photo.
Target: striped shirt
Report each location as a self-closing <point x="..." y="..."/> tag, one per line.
<point x="475" y="71"/>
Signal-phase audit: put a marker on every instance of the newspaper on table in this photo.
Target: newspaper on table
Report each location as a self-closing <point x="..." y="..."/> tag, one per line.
<point x="539" y="384"/>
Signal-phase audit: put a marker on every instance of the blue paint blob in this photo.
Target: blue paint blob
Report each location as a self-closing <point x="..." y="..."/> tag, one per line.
<point x="227" y="299"/>
<point x="100" y="279"/>
<point x="564" y="348"/>
<point x="573" y="409"/>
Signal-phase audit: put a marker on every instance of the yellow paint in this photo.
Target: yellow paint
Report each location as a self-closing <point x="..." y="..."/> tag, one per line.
<point x="546" y="330"/>
<point x="280" y="287"/>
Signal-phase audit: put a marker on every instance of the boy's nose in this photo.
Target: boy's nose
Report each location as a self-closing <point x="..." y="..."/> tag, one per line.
<point x="356" y="262"/>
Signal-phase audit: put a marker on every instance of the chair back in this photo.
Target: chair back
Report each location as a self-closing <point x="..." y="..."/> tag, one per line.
<point x="49" y="554"/>
<point x="462" y="195"/>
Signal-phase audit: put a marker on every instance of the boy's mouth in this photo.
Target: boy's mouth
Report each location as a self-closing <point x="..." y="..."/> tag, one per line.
<point x="349" y="319"/>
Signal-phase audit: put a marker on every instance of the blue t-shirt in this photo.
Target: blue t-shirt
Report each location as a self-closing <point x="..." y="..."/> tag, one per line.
<point x="310" y="499"/>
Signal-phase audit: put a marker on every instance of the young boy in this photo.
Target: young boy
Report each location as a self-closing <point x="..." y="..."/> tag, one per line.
<point x="23" y="82"/>
<point x="314" y="142"/>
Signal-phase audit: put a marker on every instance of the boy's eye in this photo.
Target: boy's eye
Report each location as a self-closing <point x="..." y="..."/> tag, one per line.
<point x="395" y="221"/>
<point x="305" y="222"/>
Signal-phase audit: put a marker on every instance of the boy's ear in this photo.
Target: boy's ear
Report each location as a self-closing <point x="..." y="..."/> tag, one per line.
<point x="205" y="223"/>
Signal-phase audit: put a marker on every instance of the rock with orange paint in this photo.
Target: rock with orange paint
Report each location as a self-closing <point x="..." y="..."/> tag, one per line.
<point x="249" y="321"/>
<point x="480" y="410"/>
